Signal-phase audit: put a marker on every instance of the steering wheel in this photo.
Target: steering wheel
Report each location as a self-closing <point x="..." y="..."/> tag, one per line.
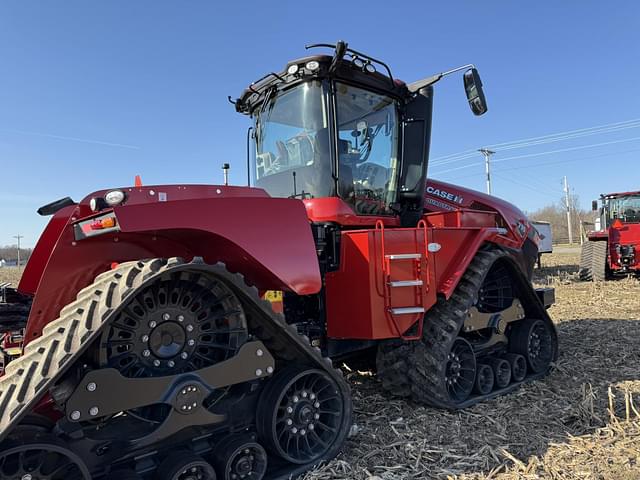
<point x="369" y="172"/>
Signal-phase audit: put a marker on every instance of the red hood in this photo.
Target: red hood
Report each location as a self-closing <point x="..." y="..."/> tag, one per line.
<point x="441" y="196"/>
<point x="627" y="234"/>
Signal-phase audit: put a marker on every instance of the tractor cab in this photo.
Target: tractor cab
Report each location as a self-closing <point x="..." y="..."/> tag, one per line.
<point x="623" y="207"/>
<point x="348" y="140"/>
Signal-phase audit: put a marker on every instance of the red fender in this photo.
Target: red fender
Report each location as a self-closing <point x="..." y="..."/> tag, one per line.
<point x="266" y="239"/>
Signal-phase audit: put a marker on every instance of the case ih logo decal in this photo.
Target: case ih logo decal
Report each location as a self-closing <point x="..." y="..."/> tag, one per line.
<point x="436" y="192"/>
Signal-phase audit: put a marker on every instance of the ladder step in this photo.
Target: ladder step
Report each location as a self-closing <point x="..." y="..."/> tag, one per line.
<point x="406" y="310"/>
<point x="405" y="283"/>
<point x="404" y="256"/>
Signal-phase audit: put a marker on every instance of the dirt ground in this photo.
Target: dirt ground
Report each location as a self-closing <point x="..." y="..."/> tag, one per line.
<point x="580" y="422"/>
<point x="571" y="425"/>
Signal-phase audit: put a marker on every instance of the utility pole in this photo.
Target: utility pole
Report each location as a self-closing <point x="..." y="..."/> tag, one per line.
<point x="566" y="201"/>
<point x="487" y="156"/>
<point x="18" y="237"/>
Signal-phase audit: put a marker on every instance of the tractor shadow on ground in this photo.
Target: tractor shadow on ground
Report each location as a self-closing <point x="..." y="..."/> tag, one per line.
<point x="398" y="439"/>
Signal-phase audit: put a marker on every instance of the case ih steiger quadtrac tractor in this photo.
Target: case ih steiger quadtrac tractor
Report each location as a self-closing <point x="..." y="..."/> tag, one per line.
<point x="613" y="248"/>
<point x="182" y="332"/>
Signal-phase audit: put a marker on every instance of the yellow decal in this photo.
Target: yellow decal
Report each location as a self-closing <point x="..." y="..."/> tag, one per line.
<point x="273" y="296"/>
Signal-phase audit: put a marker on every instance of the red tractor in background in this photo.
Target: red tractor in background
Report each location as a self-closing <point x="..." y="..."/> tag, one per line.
<point x="613" y="248"/>
<point x="150" y="348"/>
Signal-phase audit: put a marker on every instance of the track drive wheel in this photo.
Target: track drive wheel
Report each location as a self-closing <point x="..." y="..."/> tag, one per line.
<point x="302" y="415"/>
<point x="27" y="455"/>
<point x="185" y="466"/>
<point x="241" y="458"/>
<point x="532" y="339"/>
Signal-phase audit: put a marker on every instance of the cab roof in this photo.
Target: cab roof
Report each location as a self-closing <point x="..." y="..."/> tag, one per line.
<point x="319" y="67"/>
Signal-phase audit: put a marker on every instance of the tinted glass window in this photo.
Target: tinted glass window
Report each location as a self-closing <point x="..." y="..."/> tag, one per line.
<point x="292" y="144"/>
<point x="368" y="149"/>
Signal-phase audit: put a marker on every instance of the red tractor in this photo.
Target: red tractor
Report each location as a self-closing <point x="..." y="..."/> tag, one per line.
<point x="613" y="248"/>
<point x="152" y="347"/>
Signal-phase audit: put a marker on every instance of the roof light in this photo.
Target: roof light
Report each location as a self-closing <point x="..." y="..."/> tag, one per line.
<point x="114" y="197"/>
<point x="313" y="65"/>
<point x="370" y="68"/>
<point x="292" y="70"/>
<point x="357" y="62"/>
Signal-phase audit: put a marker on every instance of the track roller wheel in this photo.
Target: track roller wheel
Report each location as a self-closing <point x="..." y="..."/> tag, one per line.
<point x="185" y="466"/>
<point x="25" y="456"/>
<point x="501" y="371"/>
<point x="241" y="458"/>
<point x="302" y="415"/>
<point x="518" y="366"/>
<point x="485" y="379"/>
<point x="533" y="339"/>
<point x="460" y="370"/>
<point x="123" y="474"/>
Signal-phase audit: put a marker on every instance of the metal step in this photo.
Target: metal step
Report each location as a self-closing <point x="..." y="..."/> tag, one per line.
<point x="405" y="283"/>
<point x="404" y="256"/>
<point x="407" y="310"/>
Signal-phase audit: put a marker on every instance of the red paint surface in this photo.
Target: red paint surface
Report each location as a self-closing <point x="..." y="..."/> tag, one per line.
<point x="356" y="305"/>
<point x="336" y="210"/>
<point x="269" y="241"/>
<point x="626" y="234"/>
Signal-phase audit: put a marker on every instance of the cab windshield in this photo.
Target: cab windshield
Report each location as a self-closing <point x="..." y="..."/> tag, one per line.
<point x="292" y="144"/>
<point x="294" y="156"/>
<point x="626" y="209"/>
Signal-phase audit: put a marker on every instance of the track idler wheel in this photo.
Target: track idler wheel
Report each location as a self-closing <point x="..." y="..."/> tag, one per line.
<point x="460" y="370"/>
<point x="501" y="371"/>
<point x="241" y="458"/>
<point x="39" y="457"/>
<point x="485" y="379"/>
<point x="185" y="466"/>
<point x="302" y="415"/>
<point x="518" y="366"/>
<point x="533" y="339"/>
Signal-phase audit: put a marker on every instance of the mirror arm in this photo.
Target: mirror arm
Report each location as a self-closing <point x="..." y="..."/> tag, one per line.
<point x="425" y="82"/>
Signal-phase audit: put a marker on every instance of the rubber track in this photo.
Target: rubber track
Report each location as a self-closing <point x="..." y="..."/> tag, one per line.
<point x="593" y="261"/>
<point x="27" y="378"/>
<point x="45" y="359"/>
<point x="416" y="369"/>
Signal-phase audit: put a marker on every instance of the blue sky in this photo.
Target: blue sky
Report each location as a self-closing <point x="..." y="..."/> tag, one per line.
<point x="93" y="93"/>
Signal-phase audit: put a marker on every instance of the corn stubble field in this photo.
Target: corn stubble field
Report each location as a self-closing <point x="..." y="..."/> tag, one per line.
<point x="580" y="422"/>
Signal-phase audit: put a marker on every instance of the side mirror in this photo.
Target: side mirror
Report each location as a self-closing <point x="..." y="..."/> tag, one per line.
<point x="594" y="205"/>
<point x="475" y="94"/>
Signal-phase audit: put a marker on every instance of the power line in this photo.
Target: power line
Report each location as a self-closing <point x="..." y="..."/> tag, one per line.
<point x="569" y="149"/>
<point x="549" y="152"/>
<point x="533" y="141"/>
<point x="522" y="184"/>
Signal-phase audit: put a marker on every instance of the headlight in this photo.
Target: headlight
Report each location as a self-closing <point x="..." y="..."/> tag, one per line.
<point x="312" y="65"/>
